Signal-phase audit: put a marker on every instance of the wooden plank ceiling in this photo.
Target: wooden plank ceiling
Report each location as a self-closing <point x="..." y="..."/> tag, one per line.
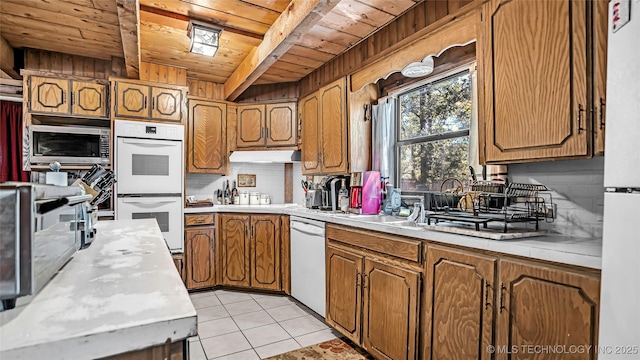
<point x="91" y="28"/>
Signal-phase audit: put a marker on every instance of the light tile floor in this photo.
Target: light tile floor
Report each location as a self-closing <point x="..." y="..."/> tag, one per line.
<point x="247" y="325"/>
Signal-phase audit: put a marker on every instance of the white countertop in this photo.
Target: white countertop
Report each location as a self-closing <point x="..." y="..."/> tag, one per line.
<point x="121" y="294"/>
<point x="586" y="252"/>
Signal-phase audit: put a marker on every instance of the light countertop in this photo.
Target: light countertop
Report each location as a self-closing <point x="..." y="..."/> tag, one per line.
<point x="579" y="251"/>
<point x="119" y="295"/>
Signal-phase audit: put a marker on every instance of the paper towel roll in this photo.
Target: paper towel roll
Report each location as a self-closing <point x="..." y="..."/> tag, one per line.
<point x="56" y="178"/>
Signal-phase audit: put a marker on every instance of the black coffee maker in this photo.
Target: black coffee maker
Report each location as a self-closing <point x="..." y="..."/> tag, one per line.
<point x="330" y="188"/>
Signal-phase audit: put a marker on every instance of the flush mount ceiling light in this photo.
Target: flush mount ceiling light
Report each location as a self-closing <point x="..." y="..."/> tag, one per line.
<point x="419" y="68"/>
<point x="204" y="38"/>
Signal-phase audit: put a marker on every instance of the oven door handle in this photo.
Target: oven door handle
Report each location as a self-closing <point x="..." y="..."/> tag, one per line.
<point x="151" y="143"/>
<point x="148" y="200"/>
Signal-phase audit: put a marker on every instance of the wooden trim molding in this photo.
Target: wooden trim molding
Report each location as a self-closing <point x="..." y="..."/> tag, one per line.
<point x="6" y="59"/>
<point x="459" y="32"/>
<point x="129" y="18"/>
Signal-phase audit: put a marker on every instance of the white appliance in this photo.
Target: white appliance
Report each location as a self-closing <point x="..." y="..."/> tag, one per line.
<point x="308" y="263"/>
<point x="149" y="167"/>
<point x="620" y="288"/>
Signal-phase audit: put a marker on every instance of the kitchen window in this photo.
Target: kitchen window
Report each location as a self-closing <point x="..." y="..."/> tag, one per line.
<point x="433" y="123"/>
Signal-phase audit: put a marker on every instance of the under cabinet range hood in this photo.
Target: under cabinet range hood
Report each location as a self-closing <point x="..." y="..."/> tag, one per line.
<point x="265" y="156"/>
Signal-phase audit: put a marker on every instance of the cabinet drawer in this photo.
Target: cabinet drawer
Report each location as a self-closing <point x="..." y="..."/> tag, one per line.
<point x="198" y="219"/>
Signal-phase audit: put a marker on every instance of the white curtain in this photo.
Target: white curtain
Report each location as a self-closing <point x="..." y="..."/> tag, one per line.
<point x="383" y="137"/>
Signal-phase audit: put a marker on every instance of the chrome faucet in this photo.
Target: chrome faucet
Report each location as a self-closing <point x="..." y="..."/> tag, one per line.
<point x="418" y="213"/>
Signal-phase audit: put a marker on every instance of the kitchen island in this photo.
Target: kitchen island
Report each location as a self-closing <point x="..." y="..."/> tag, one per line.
<point x="120" y="295"/>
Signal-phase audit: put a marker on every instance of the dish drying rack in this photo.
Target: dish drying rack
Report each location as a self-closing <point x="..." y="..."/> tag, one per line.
<point x="493" y="202"/>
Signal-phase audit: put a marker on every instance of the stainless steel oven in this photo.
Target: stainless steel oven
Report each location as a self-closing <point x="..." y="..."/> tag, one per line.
<point x="149" y="167"/>
<point x="69" y="145"/>
<point x="39" y="234"/>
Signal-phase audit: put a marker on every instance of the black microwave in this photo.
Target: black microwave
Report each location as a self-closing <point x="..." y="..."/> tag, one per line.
<point x="69" y="145"/>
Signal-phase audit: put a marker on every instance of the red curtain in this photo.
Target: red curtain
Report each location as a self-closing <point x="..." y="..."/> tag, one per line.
<point x="11" y="142"/>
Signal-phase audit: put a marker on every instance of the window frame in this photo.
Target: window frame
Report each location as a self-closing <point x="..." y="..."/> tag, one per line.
<point x="397" y="143"/>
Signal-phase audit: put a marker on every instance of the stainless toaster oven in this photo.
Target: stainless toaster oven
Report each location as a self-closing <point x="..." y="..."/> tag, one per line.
<point x="39" y="235"/>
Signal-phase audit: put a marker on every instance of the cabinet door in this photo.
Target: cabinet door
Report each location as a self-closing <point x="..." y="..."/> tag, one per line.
<point x="310" y="114"/>
<point x="199" y="245"/>
<point x="234" y="243"/>
<point x="166" y="104"/>
<point x="178" y="261"/>
<point x="206" y="146"/>
<point x="390" y="319"/>
<point x="89" y="99"/>
<point x="250" y="126"/>
<point x="600" y="18"/>
<point x="48" y="95"/>
<point x="265" y="252"/>
<point x="539" y="305"/>
<point x="535" y="80"/>
<point x="281" y="125"/>
<point x="458" y="321"/>
<point x="131" y="100"/>
<point x="344" y="303"/>
<point x="333" y="133"/>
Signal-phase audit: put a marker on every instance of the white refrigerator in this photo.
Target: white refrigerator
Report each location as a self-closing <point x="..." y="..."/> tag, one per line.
<point x="619" y="336"/>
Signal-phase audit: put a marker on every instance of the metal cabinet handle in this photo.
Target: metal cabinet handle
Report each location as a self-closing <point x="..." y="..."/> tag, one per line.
<point x="72" y="97"/>
<point x="487" y="286"/>
<point x="199" y="221"/>
<point x="266" y="130"/>
<point x="502" y="289"/>
<point x="602" y="105"/>
<point x="357" y="278"/>
<point x="580" y="111"/>
<point x="364" y="282"/>
<point x="153" y="103"/>
<point x="63" y="97"/>
<point x="145" y="102"/>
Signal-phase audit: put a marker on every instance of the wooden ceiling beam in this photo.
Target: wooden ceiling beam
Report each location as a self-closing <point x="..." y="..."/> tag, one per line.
<point x="129" y="17"/>
<point x="291" y="25"/>
<point x="211" y="21"/>
<point x="6" y="59"/>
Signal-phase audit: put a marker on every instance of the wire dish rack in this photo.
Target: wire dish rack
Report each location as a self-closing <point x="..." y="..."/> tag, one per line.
<point x="490" y="202"/>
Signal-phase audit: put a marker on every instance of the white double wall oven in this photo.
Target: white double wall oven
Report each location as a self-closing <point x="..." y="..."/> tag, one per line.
<point x="149" y="167"/>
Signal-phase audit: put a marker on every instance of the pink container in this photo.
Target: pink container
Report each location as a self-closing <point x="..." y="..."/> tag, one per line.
<point x="371" y="192"/>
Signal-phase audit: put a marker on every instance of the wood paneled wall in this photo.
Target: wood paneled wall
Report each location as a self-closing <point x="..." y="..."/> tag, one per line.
<point x="205" y="89"/>
<point x="163" y="74"/>
<point x="377" y="45"/>
<point x="278" y="91"/>
<point x="67" y="64"/>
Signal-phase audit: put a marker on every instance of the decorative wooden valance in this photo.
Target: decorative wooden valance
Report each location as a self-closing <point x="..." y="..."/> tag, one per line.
<point x="459" y="32"/>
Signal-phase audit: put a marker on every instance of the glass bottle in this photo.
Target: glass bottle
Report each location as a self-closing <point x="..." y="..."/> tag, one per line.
<point x="343" y="197"/>
<point x="227" y="194"/>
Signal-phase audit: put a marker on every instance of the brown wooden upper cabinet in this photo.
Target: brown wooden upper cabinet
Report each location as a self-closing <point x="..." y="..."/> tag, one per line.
<point x="149" y="102"/>
<point x="206" y="145"/>
<point x="535" y="79"/>
<point x="266" y="126"/>
<point x="324" y="130"/>
<point x="250" y="251"/>
<point x="65" y="97"/>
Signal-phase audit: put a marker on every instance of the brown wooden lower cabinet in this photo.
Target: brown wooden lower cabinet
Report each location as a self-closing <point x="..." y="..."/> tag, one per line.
<point x="169" y="351"/>
<point x="458" y="304"/>
<point x="344" y="302"/>
<point x="199" y="251"/>
<point x="251" y="251"/>
<point x="178" y="261"/>
<point x="373" y="301"/>
<point x="543" y="306"/>
<point x="390" y="311"/>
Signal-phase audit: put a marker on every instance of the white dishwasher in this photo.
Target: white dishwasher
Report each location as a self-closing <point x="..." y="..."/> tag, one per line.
<point x="308" y="263"/>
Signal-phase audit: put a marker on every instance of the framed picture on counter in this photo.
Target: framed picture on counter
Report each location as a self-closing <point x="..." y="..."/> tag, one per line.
<point x="246" y="180"/>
